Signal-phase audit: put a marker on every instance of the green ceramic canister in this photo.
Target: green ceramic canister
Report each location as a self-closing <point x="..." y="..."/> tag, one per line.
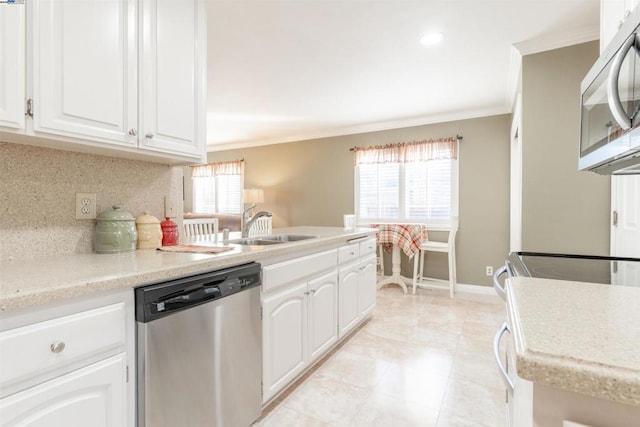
<point x="115" y="231"/>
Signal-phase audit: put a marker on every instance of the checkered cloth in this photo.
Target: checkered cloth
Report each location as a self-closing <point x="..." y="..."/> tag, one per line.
<point x="406" y="236"/>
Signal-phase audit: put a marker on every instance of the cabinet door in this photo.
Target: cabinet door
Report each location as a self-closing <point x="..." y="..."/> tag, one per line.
<point x="348" y="313"/>
<point x="323" y="314"/>
<point x="84" y="69"/>
<point x="611" y="17"/>
<point x="367" y="285"/>
<point x="172" y="74"/>
<point x="92" y="396"/>
<point x="12" y="66"/>
<point x="284" y="331"/>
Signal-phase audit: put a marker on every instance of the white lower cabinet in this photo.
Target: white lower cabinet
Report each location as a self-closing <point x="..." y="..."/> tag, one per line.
<point x="367" y="286"/>
<point x="69" y="365"/>
<point x="323" y="314"/>
<point x="308" y="304"/>
<point x="357" y="287"/>
<point x="94" y="395"/>
<point x="284" y="323"/>
<point x="348" y="297"/>
<point x="299" y="326"/>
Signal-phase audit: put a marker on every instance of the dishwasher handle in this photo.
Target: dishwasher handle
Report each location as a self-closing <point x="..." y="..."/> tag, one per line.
<point x="192" y="297"/>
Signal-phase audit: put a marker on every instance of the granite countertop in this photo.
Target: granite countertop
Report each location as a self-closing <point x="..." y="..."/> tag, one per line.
<point x="29" y="283"/>
<point x="581" y="337"/>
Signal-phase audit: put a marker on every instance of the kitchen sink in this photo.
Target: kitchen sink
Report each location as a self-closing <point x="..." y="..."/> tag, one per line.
<point x="254" y="242"/>
<point x="273" y="239"/>
<point x="286" y="237"/>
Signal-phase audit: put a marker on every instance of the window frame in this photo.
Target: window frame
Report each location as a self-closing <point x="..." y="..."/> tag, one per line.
<point x="217" y="205"/>
<point x="432" y="223"/>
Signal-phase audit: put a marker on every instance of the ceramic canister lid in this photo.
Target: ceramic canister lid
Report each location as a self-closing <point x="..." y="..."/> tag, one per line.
<point x="116" y="213"/>
<point x="168" y="223"/>
<point x="147" y="218"/>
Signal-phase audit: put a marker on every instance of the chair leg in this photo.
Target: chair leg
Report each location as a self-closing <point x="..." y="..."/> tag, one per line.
<point x="415" y="271"/>
<point x="380" y="251"/>
<point x="452" y="273"/>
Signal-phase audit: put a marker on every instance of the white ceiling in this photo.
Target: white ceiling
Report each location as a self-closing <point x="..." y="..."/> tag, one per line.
<point x="288" y="70"/>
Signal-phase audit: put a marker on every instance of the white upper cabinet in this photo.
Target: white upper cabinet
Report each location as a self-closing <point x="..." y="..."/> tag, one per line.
<point x="173" y="84"/>
<point x="116" y="77"/>
<point x="84" y="69"/>
<point x="613" y="14"/>
<point x="12" y="66"/>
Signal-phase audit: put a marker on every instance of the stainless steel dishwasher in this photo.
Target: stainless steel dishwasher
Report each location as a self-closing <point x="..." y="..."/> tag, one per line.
<point x="199" y="343"/>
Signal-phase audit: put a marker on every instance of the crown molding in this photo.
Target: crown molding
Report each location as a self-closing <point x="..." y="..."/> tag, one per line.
<point x="513" y="79"/>
<point x="364" y="128"/>
<point x="558" y="40"/>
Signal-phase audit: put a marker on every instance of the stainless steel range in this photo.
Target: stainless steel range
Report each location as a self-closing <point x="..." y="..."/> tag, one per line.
<point x="578" y="268"/>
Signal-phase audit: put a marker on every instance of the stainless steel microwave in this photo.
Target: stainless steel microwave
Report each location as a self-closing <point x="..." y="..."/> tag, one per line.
<point x="610" y="116"/>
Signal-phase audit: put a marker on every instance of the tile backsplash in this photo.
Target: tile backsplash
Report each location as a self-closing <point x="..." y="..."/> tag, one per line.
<point x="38" y="188"/>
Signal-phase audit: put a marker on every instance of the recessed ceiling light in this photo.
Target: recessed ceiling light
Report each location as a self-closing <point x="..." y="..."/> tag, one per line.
<point x="431" y="39"/>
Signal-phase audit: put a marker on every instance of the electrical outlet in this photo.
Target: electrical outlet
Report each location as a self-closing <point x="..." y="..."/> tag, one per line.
<point x="170" y="208"/>
<point x="85" y="206"/>
<point x="489" y="270"/>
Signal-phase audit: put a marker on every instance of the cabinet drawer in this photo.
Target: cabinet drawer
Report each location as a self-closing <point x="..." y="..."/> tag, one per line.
<point x="274" y="276"/>
<point x="348" y="253"/>
<point x="368" y="247"/>
<point x="31" y="350"/>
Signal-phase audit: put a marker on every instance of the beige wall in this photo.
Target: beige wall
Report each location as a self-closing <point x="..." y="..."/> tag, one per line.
<point x="38" y="186"/>
<point x="311" y="183"/>
<point x="564" y="210"/>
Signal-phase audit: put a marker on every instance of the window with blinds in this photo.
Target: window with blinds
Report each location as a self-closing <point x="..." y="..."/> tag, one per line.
<point x="406" y="191"/>
<point x="217" y="187"/>
<point x="220" y="194"/>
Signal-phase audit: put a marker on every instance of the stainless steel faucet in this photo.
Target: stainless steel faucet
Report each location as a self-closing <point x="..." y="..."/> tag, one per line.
<point x="247" y="223"/>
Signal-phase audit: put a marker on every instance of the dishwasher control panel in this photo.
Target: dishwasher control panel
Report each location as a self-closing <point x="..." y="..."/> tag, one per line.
<point x="162" y="299"/>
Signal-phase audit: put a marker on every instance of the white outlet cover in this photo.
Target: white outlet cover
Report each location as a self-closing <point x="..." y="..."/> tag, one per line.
<point x="85" y="206"/>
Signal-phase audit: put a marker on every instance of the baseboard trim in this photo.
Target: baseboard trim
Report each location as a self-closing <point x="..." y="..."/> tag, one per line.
<point x="475" y="289"/>
<point x="460" y="287"/>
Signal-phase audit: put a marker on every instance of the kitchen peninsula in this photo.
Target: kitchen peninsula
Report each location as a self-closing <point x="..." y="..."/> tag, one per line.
<point x="29" y="283"/>
<point x="576" y="352"/>
<point x="68" y="323"/>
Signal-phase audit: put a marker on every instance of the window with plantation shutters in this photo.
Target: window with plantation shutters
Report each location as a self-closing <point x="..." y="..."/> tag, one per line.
<point x="217" y="187"/>
<point x="407" y="183"/>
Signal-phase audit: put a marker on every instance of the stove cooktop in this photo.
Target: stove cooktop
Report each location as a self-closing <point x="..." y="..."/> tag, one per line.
<point x="578" y="268"/>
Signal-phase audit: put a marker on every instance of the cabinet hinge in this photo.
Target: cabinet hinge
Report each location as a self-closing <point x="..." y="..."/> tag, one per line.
<point x="127" y="373"/>
<point x="614" y="218"/>
<point x="260" y="313"/>
<point x="29" y="108"/>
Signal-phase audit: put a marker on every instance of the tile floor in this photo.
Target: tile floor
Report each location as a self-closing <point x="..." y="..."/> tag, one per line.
<point x="422" y="360"/>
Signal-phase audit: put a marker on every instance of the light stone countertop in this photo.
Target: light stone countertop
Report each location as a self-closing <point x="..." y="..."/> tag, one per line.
<point x="29" y="283"/>
<point x="581" y="337"/>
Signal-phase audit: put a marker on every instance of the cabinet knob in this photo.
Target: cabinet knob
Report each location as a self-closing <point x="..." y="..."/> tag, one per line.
<point x="133" y="132"/>
<point x="627" y="13"/>
<point x="57" y="347"/>
<point x="620" y="24"/>
<point x="149" y="136"/>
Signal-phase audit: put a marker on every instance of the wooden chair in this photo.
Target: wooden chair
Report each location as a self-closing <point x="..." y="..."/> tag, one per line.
<point x="449" y="247"/>
<point x="200" y="226"/>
